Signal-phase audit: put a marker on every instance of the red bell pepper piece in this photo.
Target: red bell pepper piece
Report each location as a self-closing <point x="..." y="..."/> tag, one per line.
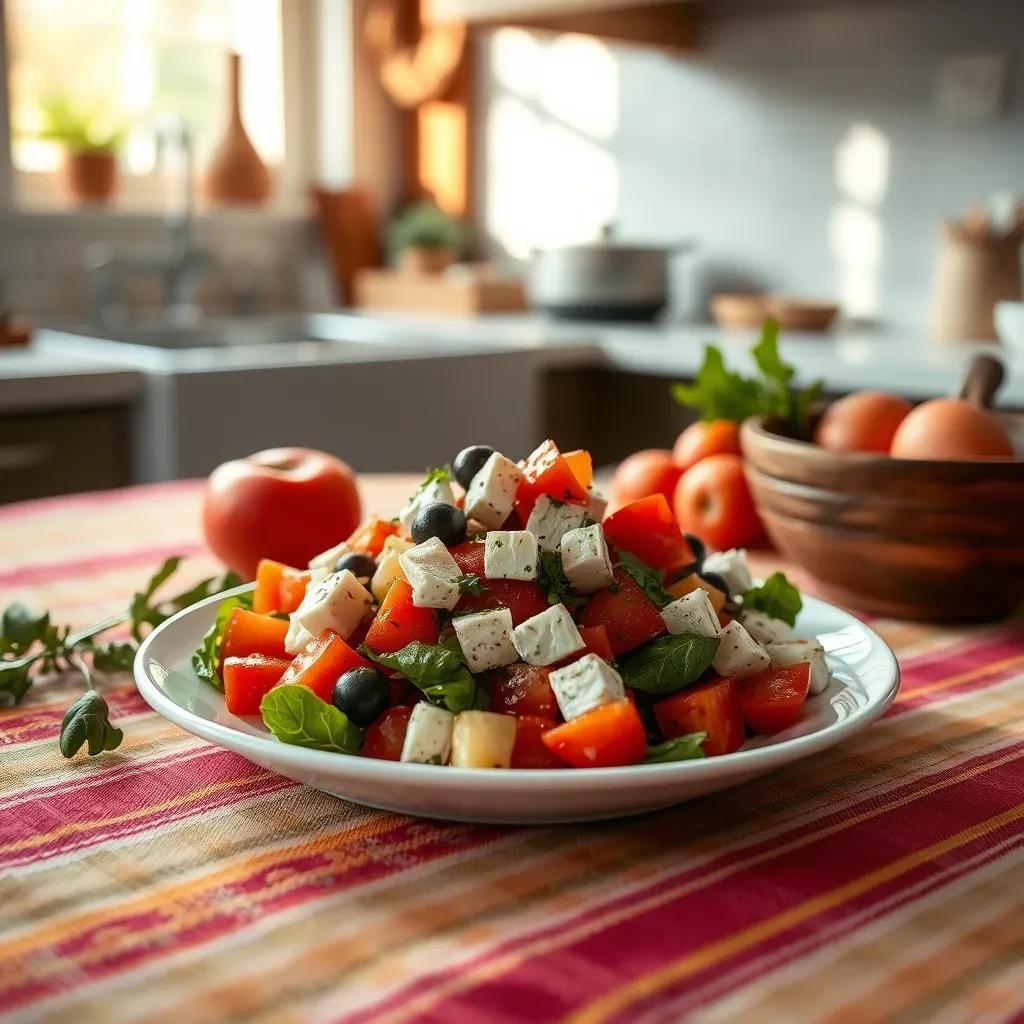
<point x="249" y="633"/>
<point x="712" y="707"/>
<point x="596" y="639"/>
<point x="610" y="735"/>
<point x="773" y="700"/>
<point x="648" y="530"/>
<point x="248" y="680"/>
<point x="547" y="472"/>
<point x="369" y="538"/>
<point x="399" y="621"/>
<point x="626" y="613"/>
<point x="318" y="666"/>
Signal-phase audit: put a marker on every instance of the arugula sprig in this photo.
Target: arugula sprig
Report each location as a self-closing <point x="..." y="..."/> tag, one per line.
<point x="721" y="394"/>
<point x="32" y="647"/>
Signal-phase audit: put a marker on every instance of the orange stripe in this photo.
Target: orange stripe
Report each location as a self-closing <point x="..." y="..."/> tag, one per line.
<point x="617" y="1001"/>
<point x="963" y="677"/>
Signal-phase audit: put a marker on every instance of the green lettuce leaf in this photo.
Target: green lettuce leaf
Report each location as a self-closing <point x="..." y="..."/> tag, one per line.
<point x="682" y="748"/>
<point x="206" y="658"/>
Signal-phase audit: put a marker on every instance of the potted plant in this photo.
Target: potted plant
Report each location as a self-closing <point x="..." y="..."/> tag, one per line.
<point x="90" y="144"/>
<point x="423" y="239"/>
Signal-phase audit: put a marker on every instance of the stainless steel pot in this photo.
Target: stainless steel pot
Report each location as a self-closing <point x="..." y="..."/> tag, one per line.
<point x="602" y="280"/>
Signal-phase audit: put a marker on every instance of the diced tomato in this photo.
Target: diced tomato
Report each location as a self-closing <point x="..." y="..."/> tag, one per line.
<point x="248" y="680"/>
<point x="522" y="598"/>
<point x="610" y="735"/>
<point x="523" y="690"/>
<point x="370" y="537"/>
<point x="384" y="737"/>
<point x="249" y="633"/>
<point x="647" y="529"/>
<point x="399" y="622"/>
<point x="358" y="636"/>
<point x="712" y="707"/>
<point x="530" y="750"/>
<point x="469" y="556"/>
<point x="596" y="639"/>
<point x="626" y="613"/>
<point x="268" y="585"/>
<point x="582" y="466"/>
<point x="399" y="690"/>
<point x="547" y="472"/>
<point x="772" y="700"/>
<point x="292" y="589"/>
<point x="318" y="666"/>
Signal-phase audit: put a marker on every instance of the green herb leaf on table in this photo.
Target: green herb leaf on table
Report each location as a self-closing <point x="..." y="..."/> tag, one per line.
<point x="141" y="611"/>
<point x="682" y="748"/>
<point x="294" y="714"/>
<point x="647" y="578"/>
<point x="88" y="721"/>
<point x="206" y="658"/>
<point x="555" y="584"/>
<point x="14" y="684"/>
<point x="669" y="663"/>
<point x="776" y="597"/>
<point x="437" y="669"/>
<point x="113" y="656"/>
<point x="22" y="627"/>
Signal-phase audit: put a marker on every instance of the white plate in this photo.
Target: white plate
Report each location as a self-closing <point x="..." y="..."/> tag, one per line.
<point x="865" y="681"/>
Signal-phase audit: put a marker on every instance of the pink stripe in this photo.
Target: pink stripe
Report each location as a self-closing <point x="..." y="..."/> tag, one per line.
<point x="623" y="949"/>
<point x="913" y="701"/>
<point x="307" y="877"/>
<point x="90" y="500"/>
<point x="959" y="660"/>
<point x="35" y="724"/>
<point x="50" y="572"/>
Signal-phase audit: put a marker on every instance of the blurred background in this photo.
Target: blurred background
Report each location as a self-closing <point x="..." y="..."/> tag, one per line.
<point x="389" y="228"/>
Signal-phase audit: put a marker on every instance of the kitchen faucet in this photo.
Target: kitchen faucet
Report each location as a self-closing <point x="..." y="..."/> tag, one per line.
<point x="179" y="263"/>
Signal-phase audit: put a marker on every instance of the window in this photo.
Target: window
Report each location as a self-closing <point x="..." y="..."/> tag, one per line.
<point x="124" y="67"/>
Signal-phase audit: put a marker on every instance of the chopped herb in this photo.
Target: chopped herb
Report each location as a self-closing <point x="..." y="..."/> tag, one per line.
<point x="471" y="583"/>
<point x="553" y="581"/>
<point x="648" y="579"/>
<point x="776" y="597"/>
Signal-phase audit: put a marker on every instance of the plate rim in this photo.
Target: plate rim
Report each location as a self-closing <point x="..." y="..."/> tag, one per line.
<point x="739" y="763"/>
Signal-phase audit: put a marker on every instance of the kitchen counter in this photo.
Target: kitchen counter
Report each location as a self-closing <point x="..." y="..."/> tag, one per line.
<point x="34" y="380"/>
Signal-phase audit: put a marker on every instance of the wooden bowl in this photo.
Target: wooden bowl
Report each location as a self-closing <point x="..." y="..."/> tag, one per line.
<point x="737" y="311"/>
<point x="934" y="541"/>
<point x="801" y="314"/>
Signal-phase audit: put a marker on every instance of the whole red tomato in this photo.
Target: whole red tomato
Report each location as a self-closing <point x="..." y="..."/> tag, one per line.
<point x="713" y="501"/>
<point x="288" y="504"/>
<point x="699" y="440"/>
<point x="644" y="473"/>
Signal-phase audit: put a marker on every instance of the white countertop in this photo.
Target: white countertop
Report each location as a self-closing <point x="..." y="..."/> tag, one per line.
<point x="32" y="381"/>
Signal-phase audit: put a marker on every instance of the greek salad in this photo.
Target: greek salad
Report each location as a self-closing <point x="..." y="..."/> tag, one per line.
<point x="503" y="620"/>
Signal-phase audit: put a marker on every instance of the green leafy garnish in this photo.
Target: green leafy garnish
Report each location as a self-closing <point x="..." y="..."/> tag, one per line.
<point x="720" y="394"/>
<point x="437" y="669"/>
<point x="88" y="721"/>
<point x="647" y="578"/>
<point x="435" y="475"/>
<point x="294" y="714"/>
<point x="669" y="663"/>
<point x="555" y="584"/>
<point x="776" y="597"/>
<point x="206" y="657"/>
<point x="682" y="748"/>
<point x="471" y="583"/>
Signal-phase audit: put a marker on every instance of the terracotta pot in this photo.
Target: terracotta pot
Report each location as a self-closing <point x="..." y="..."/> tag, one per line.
<point x="236" y="173"/>
<point x="422" y="259"/>
<point x="929" y="540"/>
<point x="91" y="175"/>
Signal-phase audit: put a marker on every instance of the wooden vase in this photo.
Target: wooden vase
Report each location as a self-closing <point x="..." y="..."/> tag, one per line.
<point x="236" y="173"/>
<point x="91" y="175"/>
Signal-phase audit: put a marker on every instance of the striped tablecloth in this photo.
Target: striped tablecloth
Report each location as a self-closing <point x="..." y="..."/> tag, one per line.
<point x="173" y="881"/>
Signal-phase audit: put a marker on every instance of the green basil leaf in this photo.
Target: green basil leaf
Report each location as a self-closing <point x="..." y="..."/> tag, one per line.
<point x="669" y="663"/>
<point x="206" y="659"/>
<point x="776" y="597"/>
<point x="87" y="721"/>
<point x="438" y="670"/>
<point x="22" y="627"/>
<point x="15" y="682"/>
<point x="647" y="578"/>
<point x="294" y="714"/>
<point x="682" y="748"/>
<point x="456" y="694"/>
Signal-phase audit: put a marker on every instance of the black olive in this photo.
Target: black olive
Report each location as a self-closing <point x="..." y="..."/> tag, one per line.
<point x="469" y="462"/>
<point x="716" y="581"/>
<point x="358" y="564"/>
<point x="441" y="520"/>
<point x="362" y="694"/>
<point x="698" y="549"/>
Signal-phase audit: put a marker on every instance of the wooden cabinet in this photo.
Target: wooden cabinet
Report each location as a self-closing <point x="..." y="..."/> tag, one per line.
<point x="62" y="451"/>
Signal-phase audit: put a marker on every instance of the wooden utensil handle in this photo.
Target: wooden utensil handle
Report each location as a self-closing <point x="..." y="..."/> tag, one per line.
<point x="984" y="376"/>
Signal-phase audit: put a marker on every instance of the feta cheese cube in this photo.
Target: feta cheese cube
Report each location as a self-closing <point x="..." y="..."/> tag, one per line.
<point x="329" y="559"/>
<point x="584" y="685"/>
<point x="428" y="737"/>
<point x="795" y="652"/>
<point x="431" y="572"/>
<point x="510" y="555"/>
<point x="732" y="567"/>
<point x="547" y="637"/>
<point x="492" y="492"/>
<point x="389" y="568"/>
<point x="297" y="637"/>
<point x="483" y="739"/>
<point x="739" y="654"/>
<point x="763" y="628"/>
<point x="486" y="639"/>
<point x="433" y="490"/>
<point x="338" y="602"/>
<point x="692" y="613"/>
<point x="550" y="520"/>
<point x="585" y="559"/>
<point x="597" y="506"/>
